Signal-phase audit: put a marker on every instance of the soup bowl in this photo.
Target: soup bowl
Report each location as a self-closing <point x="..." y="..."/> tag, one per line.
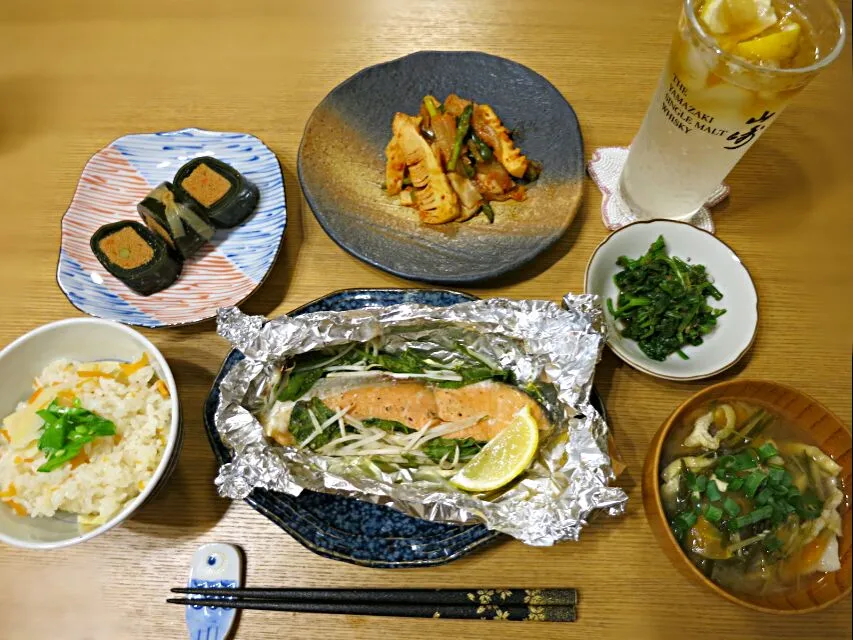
<point x="805" y="414"/>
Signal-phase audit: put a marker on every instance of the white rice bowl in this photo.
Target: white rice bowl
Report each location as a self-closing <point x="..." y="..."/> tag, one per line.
<point x="114" y="469"/>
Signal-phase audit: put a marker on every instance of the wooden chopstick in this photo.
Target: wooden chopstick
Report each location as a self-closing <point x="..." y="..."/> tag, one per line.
<point x="496" y="597"/>
<point x="469" y="611"/>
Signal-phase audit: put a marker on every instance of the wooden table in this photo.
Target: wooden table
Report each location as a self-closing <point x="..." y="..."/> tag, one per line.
<point x="77" y="75"/>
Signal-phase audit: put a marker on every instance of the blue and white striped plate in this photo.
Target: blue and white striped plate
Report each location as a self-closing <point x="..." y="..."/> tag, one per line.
<point x="224" y="273"/>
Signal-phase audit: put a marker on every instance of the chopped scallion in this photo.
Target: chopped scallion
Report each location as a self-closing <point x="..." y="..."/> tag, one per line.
<point x="753" y="482"/>
<point x="736" y="484"/>
<point x="776" y="475"/>
<point x="780" y="514"/>
<point x="686" y="520"/>
<point x="731" y="507"/>
<point x="744" y="460"/>
<point x="808" y="506"/>
<point x="724" y="474"/>
<point x="712" y="491"/>
<point x="765" y="496"/>
<point x="725" y="462"/>
<point x="767" y="451"/>
<point x="762" y="513"/>
<point x="713" y="514"/>
<point x="780" y="490"/>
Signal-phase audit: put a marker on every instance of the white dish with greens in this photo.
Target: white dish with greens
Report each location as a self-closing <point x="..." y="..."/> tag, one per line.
<point x="679" y="303"/>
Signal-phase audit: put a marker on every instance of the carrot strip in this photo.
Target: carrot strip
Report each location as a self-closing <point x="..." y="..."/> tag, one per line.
<point x="803" y="560"/>
<point x="94" y="374"/>
<point x="162" y="388"/>
<point x="80" y="458"/>
<point x="11" y="492"/>
<point x="17" y="508"/>
<point x="65" y="398"/>
<point x="133" y="367"/>
<point x="33" y="397"/>
<point x="6" y="435"/>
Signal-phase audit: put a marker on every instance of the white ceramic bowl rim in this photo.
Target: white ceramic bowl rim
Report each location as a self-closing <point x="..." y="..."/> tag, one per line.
<point x="171" y="441"/>
<point x="639" y="365"/>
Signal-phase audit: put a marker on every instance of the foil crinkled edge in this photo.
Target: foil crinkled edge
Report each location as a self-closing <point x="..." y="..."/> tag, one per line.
<point x="557" y="347"/>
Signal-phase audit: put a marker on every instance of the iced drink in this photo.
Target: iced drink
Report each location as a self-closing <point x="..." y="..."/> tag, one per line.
<point x="733" y="66"/>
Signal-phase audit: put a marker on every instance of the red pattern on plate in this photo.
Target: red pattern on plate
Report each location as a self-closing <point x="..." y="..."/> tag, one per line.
<point x="108" y="191"/>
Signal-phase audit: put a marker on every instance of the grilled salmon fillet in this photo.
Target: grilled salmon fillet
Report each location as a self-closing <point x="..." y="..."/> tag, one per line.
<point x="417" y="405"/>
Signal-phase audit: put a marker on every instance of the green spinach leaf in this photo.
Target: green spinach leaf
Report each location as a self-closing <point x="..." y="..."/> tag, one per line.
<point x="301" y="425"/>
<point x="662" y="302"/>
<point x="472" y="375"/>
<point x="298" y="384"/>
<point x="387" y="425"/>
<point x="437" y="448"/>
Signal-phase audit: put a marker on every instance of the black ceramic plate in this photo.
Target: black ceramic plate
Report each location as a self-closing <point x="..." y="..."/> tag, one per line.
<point x="342" y="167"/>
<point x="345" y="528"/>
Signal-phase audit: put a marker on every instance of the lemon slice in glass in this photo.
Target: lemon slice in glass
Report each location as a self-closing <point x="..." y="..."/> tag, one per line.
<point x="753" y="14"/>
<point x="780" y="45"/>
<point x="715" y="15"/>
<point x="737" y="20"/>
<point x="503" y="458"/>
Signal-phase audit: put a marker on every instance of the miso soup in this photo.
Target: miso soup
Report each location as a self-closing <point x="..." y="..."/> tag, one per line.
<point x="753" y="502"/>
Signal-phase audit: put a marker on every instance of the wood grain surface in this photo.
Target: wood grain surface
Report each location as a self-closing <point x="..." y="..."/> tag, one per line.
<point x="76" y="75"/>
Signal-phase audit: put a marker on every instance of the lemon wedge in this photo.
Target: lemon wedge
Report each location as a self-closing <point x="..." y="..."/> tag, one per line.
<point x="775" y="46"/>
<point x="734" y="21"/>
<point x="715" y="15"/>
<point x="503" y="458"/>
<point x="752" y="15"/>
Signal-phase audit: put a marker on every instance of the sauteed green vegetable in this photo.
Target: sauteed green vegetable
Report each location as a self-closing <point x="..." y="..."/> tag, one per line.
<point x="662" y="302"/>
<point x="66" y="430"/>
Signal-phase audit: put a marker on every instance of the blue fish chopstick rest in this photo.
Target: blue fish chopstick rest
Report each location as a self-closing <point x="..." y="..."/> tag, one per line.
<point x="213" y="565"/>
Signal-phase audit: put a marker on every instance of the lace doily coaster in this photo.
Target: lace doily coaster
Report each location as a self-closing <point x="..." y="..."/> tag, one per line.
<point x="605" y="169"/>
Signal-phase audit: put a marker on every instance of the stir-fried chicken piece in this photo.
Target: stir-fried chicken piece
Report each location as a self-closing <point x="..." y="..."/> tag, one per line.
<point x="454" y="105"/>
<point x="444" y="128"/>
<point x="469" y="197"/>
<point x="493" y="181"/>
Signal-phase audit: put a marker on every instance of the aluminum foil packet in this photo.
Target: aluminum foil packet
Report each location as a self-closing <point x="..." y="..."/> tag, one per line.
<point x="555" y="349"/>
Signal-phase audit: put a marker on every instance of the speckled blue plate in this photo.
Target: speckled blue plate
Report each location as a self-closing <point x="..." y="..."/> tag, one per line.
<point x="342" y="167"/>
<point x="345" y="528"/>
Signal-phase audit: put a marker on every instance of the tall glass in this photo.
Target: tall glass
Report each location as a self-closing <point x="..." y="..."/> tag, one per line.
<point x="709" y="108"/>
